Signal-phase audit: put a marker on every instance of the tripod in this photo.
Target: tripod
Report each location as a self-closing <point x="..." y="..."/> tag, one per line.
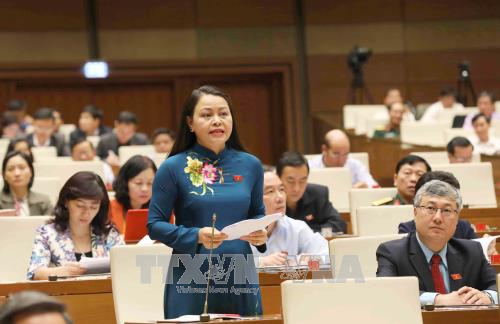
<point x="465" y="86"/>
<point x="358" y="90"/>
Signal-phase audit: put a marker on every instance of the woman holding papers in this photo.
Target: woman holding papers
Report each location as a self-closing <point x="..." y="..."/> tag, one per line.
<point x="208" y="172"/>
<point x="80" y="227"/>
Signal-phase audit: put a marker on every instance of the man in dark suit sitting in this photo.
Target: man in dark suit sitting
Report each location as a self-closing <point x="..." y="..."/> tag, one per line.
<point x="450" y="271"/>
<point x="305" y="201"/>
<point x="464" y="229"/>
<point x="43" y="132"/>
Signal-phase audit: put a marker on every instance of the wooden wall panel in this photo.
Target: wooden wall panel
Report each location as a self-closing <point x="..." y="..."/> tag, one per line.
<point x="450" y="9"/>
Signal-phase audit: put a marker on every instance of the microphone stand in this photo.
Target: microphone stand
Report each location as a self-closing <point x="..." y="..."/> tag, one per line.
<point x="205" y="317"/>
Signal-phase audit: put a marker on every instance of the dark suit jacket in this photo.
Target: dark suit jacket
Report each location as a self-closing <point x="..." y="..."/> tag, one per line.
<point x="316" y="210"/>
<point x="110" y="142"/>
<point x="78" y="133"/>
<point x="56" y="141"/>
<point x="464" y="229"/>
<point x="39" y="204"/>
<point x="404" y="257"/>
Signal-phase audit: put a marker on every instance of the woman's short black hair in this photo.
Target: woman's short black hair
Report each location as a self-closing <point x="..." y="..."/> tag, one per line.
<point x="162" y="130"/>
<point x="27" y="158"/>
<point x="13" y="142"/>
<point x="135" y="165"/>
<point x="185" y="139"/>
<point x="83" y="185"/>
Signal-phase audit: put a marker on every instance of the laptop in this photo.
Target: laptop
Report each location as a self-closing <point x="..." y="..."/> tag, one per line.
<point x="136" y="220"/>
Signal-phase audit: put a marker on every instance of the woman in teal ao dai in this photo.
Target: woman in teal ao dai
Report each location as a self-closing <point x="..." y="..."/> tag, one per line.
<point x="208" y="172"/>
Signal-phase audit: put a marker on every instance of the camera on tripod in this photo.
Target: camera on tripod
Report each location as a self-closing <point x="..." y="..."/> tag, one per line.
<point x="355" y="60"/>
<point x="463" y="68"/>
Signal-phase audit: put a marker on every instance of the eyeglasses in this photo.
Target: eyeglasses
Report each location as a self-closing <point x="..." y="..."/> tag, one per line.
<point x="445" y="212"/>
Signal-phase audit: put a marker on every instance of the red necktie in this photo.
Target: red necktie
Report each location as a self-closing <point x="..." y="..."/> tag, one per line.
<point x="436" y="274"/>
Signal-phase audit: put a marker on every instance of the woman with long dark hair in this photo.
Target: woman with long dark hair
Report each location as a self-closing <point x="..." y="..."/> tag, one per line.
<point x="18" y="175"/>
<point x="80" y="228"/>
<point x="208" y="172"/>
<point x="133" y="189"/>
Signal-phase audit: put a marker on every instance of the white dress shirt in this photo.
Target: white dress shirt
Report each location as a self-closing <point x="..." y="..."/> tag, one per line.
<point x="488" y="148"/>
<point x="434" y="111"/>
<point x="359" y="173"/>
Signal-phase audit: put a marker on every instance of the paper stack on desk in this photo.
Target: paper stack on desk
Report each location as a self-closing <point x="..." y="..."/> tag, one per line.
<point x="247" y="226"/>
<point x="95" y="265"/>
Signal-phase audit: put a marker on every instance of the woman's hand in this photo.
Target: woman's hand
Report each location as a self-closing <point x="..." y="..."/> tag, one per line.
<point x="71" y="269"/>
<point x="256" y="238"/>
<point x="275" y="259"/>
<point x="205" y="235"/>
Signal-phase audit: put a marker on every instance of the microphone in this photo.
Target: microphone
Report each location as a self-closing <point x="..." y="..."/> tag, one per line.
<point x="205" y="317"/>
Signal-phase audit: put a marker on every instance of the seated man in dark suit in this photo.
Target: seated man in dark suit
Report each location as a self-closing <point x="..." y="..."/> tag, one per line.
<point x="450" y="271"/>
<point x="89" y="124"/>
<point x="123" y="134"/>
<point x="43" y="132"/>
<point x="464" y="229"/>
<point x="307" y="202"/>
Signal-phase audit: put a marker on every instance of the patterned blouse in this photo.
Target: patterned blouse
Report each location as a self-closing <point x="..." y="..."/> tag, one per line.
<point x="53" y="248"/>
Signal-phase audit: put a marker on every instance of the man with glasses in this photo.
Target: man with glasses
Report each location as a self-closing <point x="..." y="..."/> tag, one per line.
<point x="450" y="271"/>
<point x="408" y="170"/>
<point x="335" y="153"/>
<point x="460" y="150"/>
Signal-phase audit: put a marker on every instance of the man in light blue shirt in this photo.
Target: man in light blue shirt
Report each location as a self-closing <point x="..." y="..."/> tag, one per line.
<point x="450" y="271"/>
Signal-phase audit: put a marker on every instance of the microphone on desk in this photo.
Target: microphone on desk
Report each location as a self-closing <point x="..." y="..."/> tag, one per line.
<point x="205" y="317"/>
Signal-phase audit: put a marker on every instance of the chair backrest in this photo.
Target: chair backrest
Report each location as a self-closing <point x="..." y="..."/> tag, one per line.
<point x="126" y="152"/>
<point x="451" y="133"/>
<point x="382" y="220"/>
<point x="48" y="186"/>
<point x="360" y="156"/>
<point x="44" y="152"/>
<point x="367" y="123"/>
<point x="419" y="133"/>
<point x="135" y="300"/>
<point x="64" y="169"/>
<point x="447" y="115"/>
<point x="365" y="198"/>
<point x="94" y="140"/>
<point x="17" y="235"/>
<point x="338" y="181"/>
<point x="66" y="130"/>
<point x="441" y="157"/>
<point x="364" y="247"/>
<point x="351" y="112"/>
<point x="476" y="183"/>
<point x="388" y="300"/>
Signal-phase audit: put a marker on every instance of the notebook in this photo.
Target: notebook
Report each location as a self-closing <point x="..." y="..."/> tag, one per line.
<point x="135" y="228"/>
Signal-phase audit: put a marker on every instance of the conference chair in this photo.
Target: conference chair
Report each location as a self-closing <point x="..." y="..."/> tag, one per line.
<point x="476" y="183"/>
<point x="17" y="235"/>
<point x="48" y="186"/>
<point x="64" y="169"/>
<point x="137" y="300"/>
<point x="364" y="248"/>
<point x="338" y="181"/>
<point x="126" y="152"/>
<point x="418" y="133"/>
<point x="451" y="133"/>
<point x="66" y="130"/>
<point x="44" y="152"/>
<point x="390" y="300"/>
<point x="351" y="113"/>
<point x="382" y="220"/>
<point x="440" y="157"/>
<point x="360" y="156"/>
<point x="366" y="197"/>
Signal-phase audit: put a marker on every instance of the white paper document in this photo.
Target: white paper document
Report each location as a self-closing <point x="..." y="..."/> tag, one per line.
<point x="485" y="243"/>
<point x="95" y="265"/>
<point x="196" y="318"/>
<point x="247" y="226"/>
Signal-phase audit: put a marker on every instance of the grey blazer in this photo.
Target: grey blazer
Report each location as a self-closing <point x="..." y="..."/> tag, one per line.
<point x="39" y="204"/>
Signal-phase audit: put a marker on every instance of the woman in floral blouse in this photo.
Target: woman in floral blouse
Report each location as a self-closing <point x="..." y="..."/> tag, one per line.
<point x="133" y="189"/>
<point x="80" y="227"/>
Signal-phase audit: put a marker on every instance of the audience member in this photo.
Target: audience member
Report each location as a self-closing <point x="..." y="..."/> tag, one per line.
<point x="10" y="126"/>
<point x="335" y="153"/>
<point x="18" y="175"/>
<point x="286" y="236"/>
<point x="33" y="307"/>
<point x="163" y="140"/>
<point x="486" y="106"/>
<point x="43" y="132"/>
<point x="392" y="129"/>
<point x="447" y="100"/>
<point x="20" y="144"/>
<point x="306" y="201"/>
<point x="89" y="124"/>
<point x="58" y="120"/>
<point x="18" y="108"/>
<point x="123" y="134"/>
<point x="80" y="229"/>
<point x="133" y="189"/>
<point x="83" y="150"/>
<point x="450" y="271"/>
<point x="482" y="141"/>
<point x="408" y="170"/>
<point x="464" y="229"/>
<point x="392" y="96"/>
<point x="459" y="150"/>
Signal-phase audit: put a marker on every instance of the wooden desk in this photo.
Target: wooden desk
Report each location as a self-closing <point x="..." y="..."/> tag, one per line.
<point x="88" y="300"/>
<point x="266" y="319"/>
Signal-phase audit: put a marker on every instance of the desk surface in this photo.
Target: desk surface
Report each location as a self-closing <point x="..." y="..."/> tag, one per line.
<point x="266" y="319"/>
